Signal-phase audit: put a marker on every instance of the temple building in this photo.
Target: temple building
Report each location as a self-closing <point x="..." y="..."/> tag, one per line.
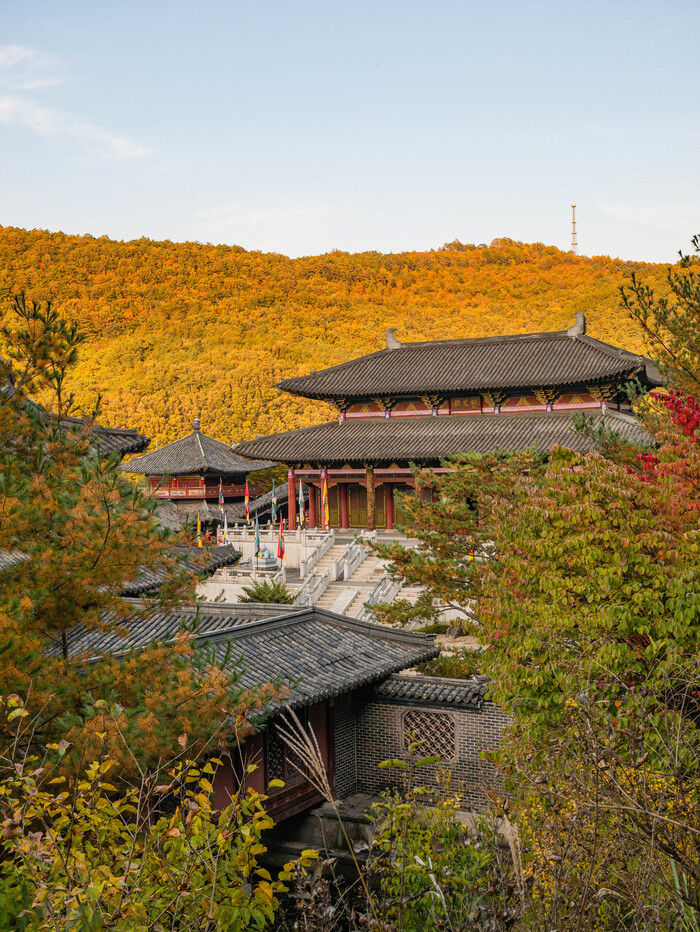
<point x="417" y="403"/>
<point x="189" y="474"/>
<point x="343" y="679"/>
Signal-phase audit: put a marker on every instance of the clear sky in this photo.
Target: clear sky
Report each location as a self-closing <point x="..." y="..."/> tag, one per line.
<point x="299" y="127"/>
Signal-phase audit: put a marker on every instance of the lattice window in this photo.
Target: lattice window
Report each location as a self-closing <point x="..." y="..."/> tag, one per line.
<point x="280" y="759"/>
<point x="275" y="755"/>
<point x="437" y="729"/>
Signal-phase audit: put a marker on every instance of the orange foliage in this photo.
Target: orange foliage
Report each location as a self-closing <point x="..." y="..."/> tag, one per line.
<point x="179" y="329"/>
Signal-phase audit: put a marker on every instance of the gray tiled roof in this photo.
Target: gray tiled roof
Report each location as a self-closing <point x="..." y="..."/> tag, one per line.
<point x="154" y="624"/>
<point x="10" y="558"/>
<point x="319" y="653"/>
<point x="119" y="440"/>
<point x="191" y="455"/>
<point x="169" y="516"/>
<point x="198" y="560"/>
<point x="264" y="502"/>
<point x="521" y="361"/>
<point x="425" y="439"/>
<point x="177" y="513"/>
<point x="435" y="689"/>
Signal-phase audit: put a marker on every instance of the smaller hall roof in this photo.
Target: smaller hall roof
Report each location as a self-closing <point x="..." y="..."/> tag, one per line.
<point x="108" y="440"/>
<point x="198" y="560"/>
<point x="564" y="357"/>
<point x="120" y="440"/>
<point x="195" y="454"/>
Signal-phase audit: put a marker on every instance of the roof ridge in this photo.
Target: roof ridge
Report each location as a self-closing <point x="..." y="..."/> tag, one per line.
<point x="201" y="449"/>
<point x="609" y="348"/>
<point x="420" y="343"/>
<point x="496" y="338"/>
<point x="447" y="680"/>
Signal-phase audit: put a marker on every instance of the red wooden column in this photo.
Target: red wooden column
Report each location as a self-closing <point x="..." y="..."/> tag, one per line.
<point x="324" y="483"/>
<point x="313" y="511"/>
<point x="389" y="506"/>
<point x="343" y="505"/>
<point x="291" y="501"/>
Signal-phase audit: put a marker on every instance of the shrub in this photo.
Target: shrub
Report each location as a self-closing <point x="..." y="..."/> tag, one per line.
<point x="269" y="592"/>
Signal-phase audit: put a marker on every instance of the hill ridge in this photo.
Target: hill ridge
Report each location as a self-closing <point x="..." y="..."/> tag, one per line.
<point x="178" y="330"/>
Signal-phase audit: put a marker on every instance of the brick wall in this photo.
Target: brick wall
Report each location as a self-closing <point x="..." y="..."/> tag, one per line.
<point x="345" y="751"/>
<point x="379" y="735"/>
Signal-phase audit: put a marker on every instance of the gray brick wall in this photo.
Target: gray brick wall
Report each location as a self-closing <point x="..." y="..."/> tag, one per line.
<point x="345" y="750"/>
<point x="379" y="735"/>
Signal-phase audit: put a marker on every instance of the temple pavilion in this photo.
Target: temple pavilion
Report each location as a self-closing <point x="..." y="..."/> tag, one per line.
<point x="189" y="474"/>
<point x="417" y="403"/>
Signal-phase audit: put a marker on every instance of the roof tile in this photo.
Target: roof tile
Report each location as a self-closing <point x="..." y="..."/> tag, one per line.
<point x="318" y="653"/>
<point x="194" y="454"/>
<point x="520" y="361"/>
<point x="425" y="439"/>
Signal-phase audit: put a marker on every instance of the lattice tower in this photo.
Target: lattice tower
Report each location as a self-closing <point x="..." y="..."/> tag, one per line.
<point x="574" y="239"/>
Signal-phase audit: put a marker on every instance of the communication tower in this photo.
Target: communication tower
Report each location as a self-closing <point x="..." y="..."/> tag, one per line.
<point x="574" y="240"/>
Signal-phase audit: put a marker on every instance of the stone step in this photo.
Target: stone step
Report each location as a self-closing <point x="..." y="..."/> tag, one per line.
<point x="337" y="599"/>
<point x="410" y="593"/>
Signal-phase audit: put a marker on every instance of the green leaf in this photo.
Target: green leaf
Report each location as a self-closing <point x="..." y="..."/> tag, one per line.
<point x="395" y="762"/>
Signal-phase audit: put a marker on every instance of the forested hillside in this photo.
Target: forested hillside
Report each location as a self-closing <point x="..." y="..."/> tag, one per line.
<point x="181" y="329"/>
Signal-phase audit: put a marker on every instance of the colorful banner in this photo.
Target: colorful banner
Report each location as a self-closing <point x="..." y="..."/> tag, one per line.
<point x="280" y="541"/>
<point x="326" y="509"/>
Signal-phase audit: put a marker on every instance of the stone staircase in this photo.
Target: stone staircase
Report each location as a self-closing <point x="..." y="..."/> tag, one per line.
<point x="348" y="597"/>
<point x="325" y="564"/>
<point x="410" y="593"/>
<point x="336" y="591"/>
<point x="368" y="572"/>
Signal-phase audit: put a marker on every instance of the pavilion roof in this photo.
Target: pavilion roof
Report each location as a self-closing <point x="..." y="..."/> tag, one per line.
<point x="178" y="513"/>
<point x="120" y="440"/>
<point x="559" y="358"/>
<point x="320" y="654"/>
<point x="423" y="439"/>
<point x="195" y="454"/>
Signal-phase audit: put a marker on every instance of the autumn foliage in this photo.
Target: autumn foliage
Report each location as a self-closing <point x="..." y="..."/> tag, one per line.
<point x="73" y="532"/>
<point x="177" y="330"/>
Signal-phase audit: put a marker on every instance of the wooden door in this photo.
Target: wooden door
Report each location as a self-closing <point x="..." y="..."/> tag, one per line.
<point x="357" y="505"/>
<point x="333" y="508"/>
<point x="380" y="506"/>
<point x="399" y="514"/>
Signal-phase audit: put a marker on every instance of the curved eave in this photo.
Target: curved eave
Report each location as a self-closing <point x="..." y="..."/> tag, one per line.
<point x="300" y="701"/>
<point x="424" y="440"/>
<point x="647" y="373"/>
<point x="176" y="474"/>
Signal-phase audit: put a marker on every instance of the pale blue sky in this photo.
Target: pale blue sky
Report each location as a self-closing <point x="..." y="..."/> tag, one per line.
<point x="301" y="127"/>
